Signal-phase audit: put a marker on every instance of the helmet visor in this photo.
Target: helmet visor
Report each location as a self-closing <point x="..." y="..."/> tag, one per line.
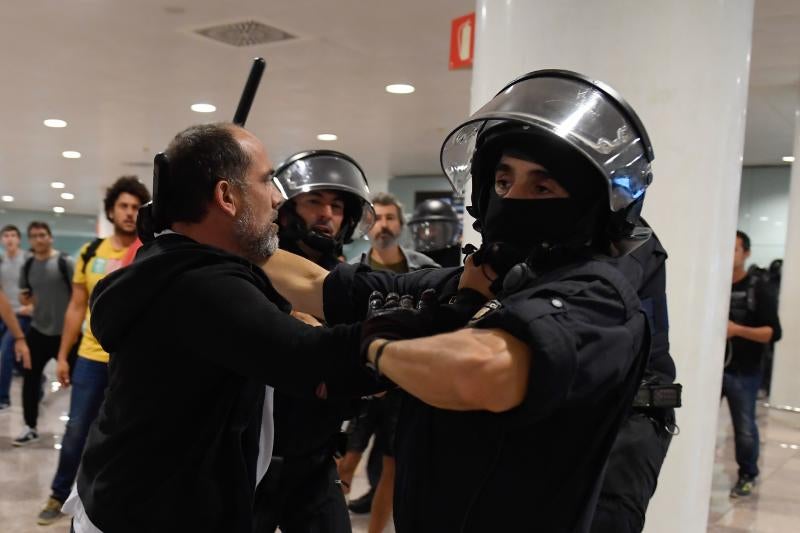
<point x="433" y="235"/>
<point x="328" y="172"/>
<point x="586" y="117"/>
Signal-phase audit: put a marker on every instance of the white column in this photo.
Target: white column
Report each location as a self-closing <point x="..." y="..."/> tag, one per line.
<point x="785" y="390"/>
<point x="684" y="66"/>
<point x="104" y="228"/>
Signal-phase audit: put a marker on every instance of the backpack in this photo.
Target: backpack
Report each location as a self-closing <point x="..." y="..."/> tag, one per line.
<point x="62" y="268"/>
<point x="86" y="256"/>
<point x="756" y="277"/>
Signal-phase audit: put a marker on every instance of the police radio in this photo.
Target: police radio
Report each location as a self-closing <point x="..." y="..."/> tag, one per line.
<point x="152" y="218"/>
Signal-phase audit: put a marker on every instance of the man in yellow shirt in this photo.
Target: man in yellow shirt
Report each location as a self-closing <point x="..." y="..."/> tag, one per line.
<point x="90" y="375"/>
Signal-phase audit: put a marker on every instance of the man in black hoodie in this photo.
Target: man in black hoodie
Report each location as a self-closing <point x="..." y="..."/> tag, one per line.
<point x="195" y="331"/>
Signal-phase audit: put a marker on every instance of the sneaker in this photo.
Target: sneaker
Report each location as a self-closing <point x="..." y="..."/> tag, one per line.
<point x="50" y="513"/>
<point x="744" y="487"/>
<point x="362" y="504"/>
<point x="27" y="436"/>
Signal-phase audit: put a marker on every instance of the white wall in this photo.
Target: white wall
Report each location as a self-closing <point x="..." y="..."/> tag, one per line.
<point x="763" y="211"/>
<point x="70" y="232"/>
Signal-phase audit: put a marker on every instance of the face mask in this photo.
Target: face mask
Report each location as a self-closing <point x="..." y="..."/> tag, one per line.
<point x="517" y="230"/>
<point x="529" y="224"/>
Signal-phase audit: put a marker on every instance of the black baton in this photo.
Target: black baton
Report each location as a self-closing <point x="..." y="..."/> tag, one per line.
<point x="249" y="92"/>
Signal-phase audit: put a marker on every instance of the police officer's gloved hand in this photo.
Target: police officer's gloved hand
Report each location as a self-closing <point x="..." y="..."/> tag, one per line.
<point x="457" y="312"/>
<point x="396" y="317"/>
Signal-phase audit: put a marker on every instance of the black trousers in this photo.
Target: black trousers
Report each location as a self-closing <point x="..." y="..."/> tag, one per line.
<point x="301" y="495"/>
<point x="42" y="348"/>
<point x="631" y="475"/>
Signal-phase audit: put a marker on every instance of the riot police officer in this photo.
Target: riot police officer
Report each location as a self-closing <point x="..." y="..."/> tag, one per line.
<point x="436" y="230"/>
<point x="644" y="438"/>
<point x="327" y="206"/>
<point x="509" y="421"/>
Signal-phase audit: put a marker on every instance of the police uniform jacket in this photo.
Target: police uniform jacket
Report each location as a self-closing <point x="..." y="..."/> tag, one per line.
<point x="536" y="467"/>
<point x="645" y="269"/>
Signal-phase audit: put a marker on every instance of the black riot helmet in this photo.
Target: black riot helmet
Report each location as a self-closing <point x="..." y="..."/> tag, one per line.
<point x="324" y="170"/>
<point x="578" y="128"/>
<point x="434" y="226"/>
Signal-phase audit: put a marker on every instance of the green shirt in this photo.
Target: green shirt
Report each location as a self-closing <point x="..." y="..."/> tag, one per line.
<point x="400" y="268"/>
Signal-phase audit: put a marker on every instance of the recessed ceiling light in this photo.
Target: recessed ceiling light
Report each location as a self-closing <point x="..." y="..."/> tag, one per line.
<point x="327" y="137"/>
<point x="8" y="198"/>
<point x="763" y="219"/>
<point x="67" y="196"/>
<point x="55" y="123"/>
<point x="788" y="159"/>
<point x="71" y="154"/>
<point x="57" y="185"/>
<point x="58" y="209"/>
<point x="400" y="88"/>
<point x="203" y="108"/>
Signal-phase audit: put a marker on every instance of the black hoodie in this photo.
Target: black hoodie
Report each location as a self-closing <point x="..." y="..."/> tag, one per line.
<point x="194" y="334"/>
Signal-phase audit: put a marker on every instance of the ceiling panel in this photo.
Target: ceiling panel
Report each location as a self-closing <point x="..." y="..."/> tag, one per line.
<point x="123" y="74"/>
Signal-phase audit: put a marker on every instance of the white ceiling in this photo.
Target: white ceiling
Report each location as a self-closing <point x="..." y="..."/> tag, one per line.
<point x="124" y="73"/>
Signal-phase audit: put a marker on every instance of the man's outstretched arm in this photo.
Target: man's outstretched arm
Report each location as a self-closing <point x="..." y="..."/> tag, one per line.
<point x="298" y="280"/>
<point x="465" y="370"/>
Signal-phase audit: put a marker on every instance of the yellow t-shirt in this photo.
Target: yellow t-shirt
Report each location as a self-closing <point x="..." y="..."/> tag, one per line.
<point x="105" y="260"/>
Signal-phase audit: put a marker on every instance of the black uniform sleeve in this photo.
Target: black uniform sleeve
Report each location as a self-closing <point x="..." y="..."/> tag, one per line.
<point x="652" y="292"/>
<point x="347" y="288"/>
<point x="232" y="324"/>
<point x="580" y="347"/>
<point x="767" y="310"/>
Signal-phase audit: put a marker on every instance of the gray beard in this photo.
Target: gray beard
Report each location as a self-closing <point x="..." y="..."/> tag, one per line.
<point x="384" y="242"/>
<point x="257" y="243"/>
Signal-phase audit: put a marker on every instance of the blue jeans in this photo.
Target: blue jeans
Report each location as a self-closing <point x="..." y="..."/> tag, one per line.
<point x="741" y="391"/>
<point x="89" y="381"/>
<point x="7" y="357"/>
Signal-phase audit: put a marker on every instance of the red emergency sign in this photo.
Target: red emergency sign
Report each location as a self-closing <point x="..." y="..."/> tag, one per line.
<point x="462" y="41"/>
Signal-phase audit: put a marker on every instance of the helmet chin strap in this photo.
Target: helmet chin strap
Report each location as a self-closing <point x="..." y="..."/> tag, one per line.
<point x="320" y="242"/>
<point x="295" y="230"/>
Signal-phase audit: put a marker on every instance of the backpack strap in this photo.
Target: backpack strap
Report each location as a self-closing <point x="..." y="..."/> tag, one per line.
<point x="751" y="293"/>
<point x="90" y="252"/>
<point x="64" y="270"/>
<point x="26" y="274"/>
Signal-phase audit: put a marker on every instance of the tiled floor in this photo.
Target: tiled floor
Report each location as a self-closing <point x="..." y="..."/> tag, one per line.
<point x="775" y="505"/>
<point x="26" y="473"/>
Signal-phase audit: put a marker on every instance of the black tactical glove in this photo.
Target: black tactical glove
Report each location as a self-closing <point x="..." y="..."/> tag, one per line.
<point x="457" y="312"/>
<point x="396" y="317"/>
<point x="399" y="317"/>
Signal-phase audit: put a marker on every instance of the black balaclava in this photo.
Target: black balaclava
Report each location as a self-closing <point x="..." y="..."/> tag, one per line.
<point x="449" y="256"/>
<point x="544" y="233"/>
